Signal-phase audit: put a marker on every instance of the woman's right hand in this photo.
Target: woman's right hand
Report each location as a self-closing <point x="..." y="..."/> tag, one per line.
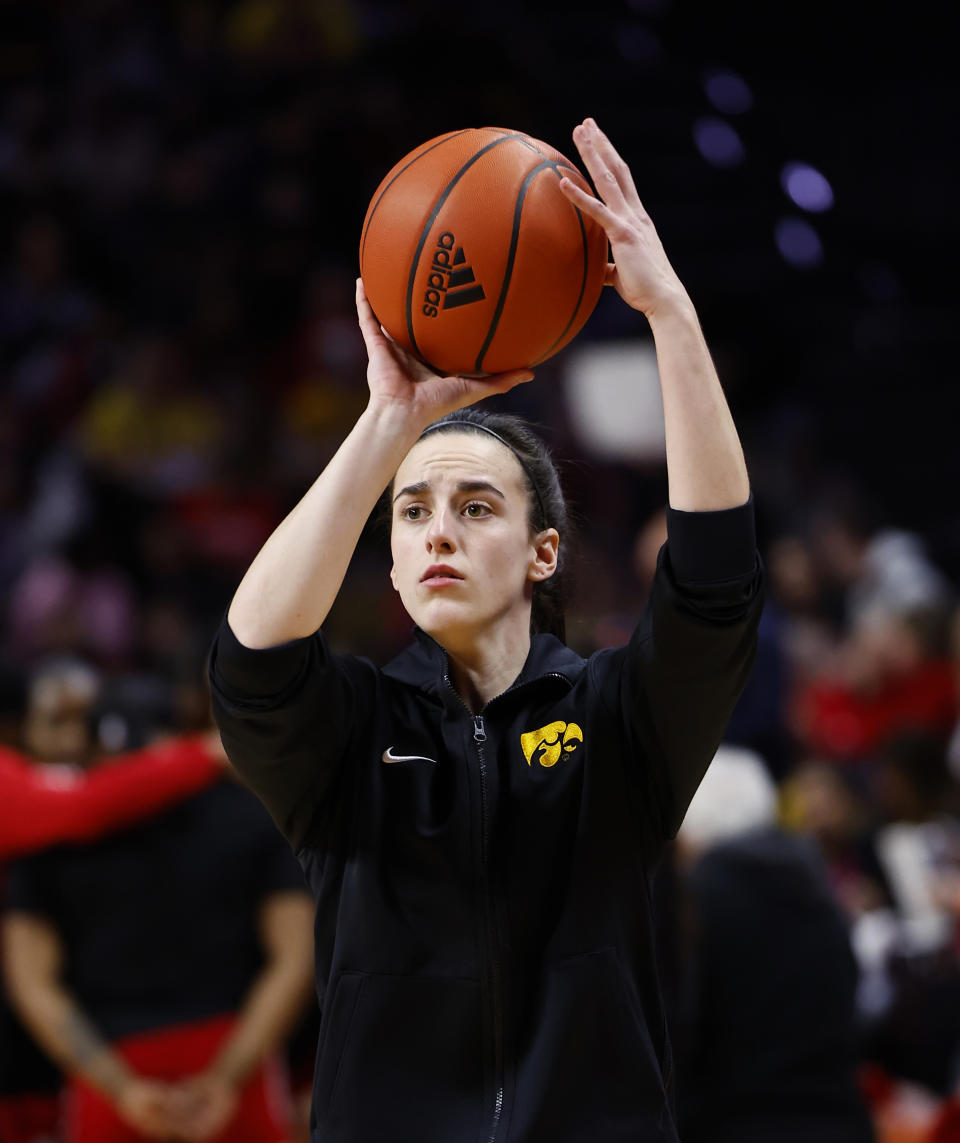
<point x="397" y="378"/>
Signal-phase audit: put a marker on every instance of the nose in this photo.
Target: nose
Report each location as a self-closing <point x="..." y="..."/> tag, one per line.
<point x="440" y="534"/>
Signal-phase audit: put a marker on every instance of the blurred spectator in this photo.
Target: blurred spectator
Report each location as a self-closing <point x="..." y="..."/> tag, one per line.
<point x="865" y="613"/>
<point x="150" y="425"/>
<point x="37" y="303"/>
<point x="40" y="806"/>
<point x="768" y="1048"/>
<point x="953" y="637"/>
<point x="829" y="805"/>
<point x="893" y="676"/>
<point x="877" y="567"/>
<point x="917" y="1034"/>
<point x="56" y="608"/>
<point x="810" y="629"/>
<point x="285" y="32"/>
<point x="162" y="967"/>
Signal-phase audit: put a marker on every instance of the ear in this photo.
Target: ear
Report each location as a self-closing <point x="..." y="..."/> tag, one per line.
<point x="546" y="553"/>
<point x="393" y="576"/>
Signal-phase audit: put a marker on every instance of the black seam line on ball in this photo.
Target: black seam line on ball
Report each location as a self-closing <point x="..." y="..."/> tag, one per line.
<point x="407" y="166"/>
<point x="511" y="257"/>
<point x="429" y="223"/>
<point x="583" y="285"/>
<point x="556" y="165"/>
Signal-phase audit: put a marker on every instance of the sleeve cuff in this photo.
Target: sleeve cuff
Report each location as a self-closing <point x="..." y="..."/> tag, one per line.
<point x="711" y="547"/>
<point x="263" y="672"/>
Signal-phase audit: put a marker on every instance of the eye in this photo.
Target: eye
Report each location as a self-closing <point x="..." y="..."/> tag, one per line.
<point x="476" y="509"/>
<point x="411" y="512"/>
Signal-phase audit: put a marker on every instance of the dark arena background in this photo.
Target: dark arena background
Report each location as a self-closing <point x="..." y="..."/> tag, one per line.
<point x="182" y="189"/>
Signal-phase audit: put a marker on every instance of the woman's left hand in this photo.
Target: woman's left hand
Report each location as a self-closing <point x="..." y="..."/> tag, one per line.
<point x="640" y="272"/>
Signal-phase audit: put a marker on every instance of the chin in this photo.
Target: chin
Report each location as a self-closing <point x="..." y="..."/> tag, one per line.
<point x="445" y="621"/>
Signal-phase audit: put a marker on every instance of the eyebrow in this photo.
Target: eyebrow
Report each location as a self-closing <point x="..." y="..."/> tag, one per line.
<point x="464" y="486"/>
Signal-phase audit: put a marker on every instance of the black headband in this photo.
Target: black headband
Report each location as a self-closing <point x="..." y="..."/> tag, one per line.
<point x="483" y="429"/>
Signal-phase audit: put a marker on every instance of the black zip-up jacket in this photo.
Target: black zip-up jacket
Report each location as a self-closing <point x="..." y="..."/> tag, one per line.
<point x="484" y="953"/>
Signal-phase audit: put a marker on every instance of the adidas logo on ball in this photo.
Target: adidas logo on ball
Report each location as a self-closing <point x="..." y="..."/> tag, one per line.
<point x="481" y="204"/>
<point x="451" y="282"/>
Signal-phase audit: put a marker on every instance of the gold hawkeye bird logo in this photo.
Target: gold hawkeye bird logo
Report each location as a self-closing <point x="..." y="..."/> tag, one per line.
<point x="551" y="742"/>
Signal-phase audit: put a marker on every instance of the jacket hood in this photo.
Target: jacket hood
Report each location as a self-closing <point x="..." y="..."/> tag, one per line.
<point x="424" y="664"/>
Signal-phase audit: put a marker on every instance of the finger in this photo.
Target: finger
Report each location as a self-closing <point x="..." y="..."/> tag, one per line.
<point x="615" y="162"/>
<point x="415" y="369"/>
<point x="459" y="392"/>
<point x="503" y="382"/>
<point x="492" y="386"/>
<point x="605" y="180"/>
<point x="369" y="326"/>
<point x="593" y="208"/>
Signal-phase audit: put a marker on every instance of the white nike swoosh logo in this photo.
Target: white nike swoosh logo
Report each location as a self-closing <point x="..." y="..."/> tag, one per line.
<point x="389" y="756"/>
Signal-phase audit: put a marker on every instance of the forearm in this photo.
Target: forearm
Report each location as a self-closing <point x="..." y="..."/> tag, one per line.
<point x="705" y="465"/>
<point x="270" y="1010"/>
<point x="130" y="787"/>
<point x="292" y="583"/>
<point x="62" y="1029"/>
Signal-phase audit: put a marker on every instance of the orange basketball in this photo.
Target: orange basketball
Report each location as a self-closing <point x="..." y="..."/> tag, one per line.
<point x="473" y="259"/>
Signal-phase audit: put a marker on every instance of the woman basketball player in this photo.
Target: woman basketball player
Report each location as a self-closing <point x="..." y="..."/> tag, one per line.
<point x="480" y="819"/>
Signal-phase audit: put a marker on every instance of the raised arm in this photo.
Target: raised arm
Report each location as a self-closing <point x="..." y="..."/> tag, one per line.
<point x="705" y="465"/>
<point x="291" y="585"/>
<point x="44" y="805"/>
<point x="679" y="678"/>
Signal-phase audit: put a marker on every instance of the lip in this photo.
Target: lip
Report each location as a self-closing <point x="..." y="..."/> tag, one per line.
<point x="439" y="575"/>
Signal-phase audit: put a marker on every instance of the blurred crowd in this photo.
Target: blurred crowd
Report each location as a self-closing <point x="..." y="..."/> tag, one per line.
<point x="179" y="358"/>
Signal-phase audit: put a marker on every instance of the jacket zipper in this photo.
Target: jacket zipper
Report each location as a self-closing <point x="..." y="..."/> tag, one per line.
<point x="494" y="969"/>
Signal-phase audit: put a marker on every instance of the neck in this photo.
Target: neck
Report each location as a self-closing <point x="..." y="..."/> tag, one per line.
<point x="487" y="667"/>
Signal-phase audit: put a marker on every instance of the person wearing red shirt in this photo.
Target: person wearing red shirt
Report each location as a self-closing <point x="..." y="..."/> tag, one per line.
<point x="159" y="967"/>
<point x="44" y="805"/>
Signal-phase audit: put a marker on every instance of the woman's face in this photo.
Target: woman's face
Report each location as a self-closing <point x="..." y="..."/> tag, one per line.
<point x="464" y="560"/>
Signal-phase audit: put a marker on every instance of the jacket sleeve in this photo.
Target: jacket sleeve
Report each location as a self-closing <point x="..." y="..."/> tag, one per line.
<point x="677" y="681"/>
<point x="286" y="716"/>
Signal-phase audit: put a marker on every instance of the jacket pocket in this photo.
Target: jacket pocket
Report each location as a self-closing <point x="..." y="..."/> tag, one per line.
<point x="589" y="1070"/>
<point x="400" y="1060"/>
